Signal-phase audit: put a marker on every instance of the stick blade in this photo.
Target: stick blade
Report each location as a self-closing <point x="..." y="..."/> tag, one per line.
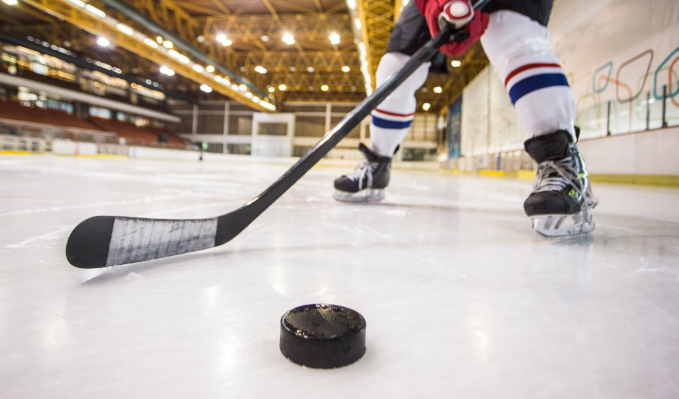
<point x="88" y="244"/>
<point x="104" y="241"/>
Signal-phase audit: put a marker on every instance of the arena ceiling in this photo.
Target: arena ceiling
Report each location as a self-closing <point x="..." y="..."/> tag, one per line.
<point x="244" y="36"/>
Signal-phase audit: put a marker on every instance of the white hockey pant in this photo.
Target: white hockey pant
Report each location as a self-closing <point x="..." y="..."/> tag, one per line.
<point x="519" y="50"/>
<point x="392" y="118"/>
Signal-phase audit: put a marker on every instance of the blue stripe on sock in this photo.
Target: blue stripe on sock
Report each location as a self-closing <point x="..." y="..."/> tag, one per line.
<point x="386" y="124"/>
<point x="536" y="82"/>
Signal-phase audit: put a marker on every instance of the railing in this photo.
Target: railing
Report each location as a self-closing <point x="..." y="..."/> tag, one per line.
<point x="24" y="144"/>
<point x="645" y="111"/>
<point x="49" y="132"/>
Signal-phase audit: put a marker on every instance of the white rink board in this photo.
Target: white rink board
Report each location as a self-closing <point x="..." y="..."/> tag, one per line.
<point x="63" y="147"/>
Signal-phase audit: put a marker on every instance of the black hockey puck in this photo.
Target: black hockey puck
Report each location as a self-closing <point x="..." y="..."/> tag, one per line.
<point x="322" y="336"/>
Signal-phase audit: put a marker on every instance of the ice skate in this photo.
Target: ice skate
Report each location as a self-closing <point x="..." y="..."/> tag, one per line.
<point x="562" y="201"/>
<point x="367" y="182"/>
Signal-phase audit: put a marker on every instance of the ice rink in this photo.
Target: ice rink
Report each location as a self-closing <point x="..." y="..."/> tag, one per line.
<point x="461" y="297"/>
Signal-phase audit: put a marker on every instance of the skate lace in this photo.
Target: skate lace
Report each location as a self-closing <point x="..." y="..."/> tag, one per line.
<point x="363" y="171"/>
<point x="557" y="175"/>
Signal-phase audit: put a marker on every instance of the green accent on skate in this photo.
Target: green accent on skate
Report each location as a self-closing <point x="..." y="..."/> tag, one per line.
<point x="573" y="193"/>
<point x="645" y="180"/>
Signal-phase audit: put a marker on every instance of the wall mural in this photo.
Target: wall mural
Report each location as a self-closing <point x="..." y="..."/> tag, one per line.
<point x="621" y="58"/>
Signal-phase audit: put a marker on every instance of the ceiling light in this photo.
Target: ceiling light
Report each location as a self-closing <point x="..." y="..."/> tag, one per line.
<point x="248" y="95"/>
<point x="324" y="87"/>
<point x="243" y="87"/>
<point x="221" y="37"/>
<point x="282" y="87"/>
<point x="125" y="29"/>
<point x="167" y="71"/>
<point x="334" y="38"/>
<point x="179" y="57"/>
<point x="95" y="11"/>
<point x="293" y="69"/>
<point x="198" y="68"/>
<point x="345" y="69"/>
<point x="264" y="38"/>
<point x="456" y="63"/>
<point x="358" y="23"/>
<point x="260" y="69"/>
<point x="310" y="69"/>
<point x="426" y="106"/>
<point x="151" y="43"/>
<point x="206" y="88"/>
<point x="167" y="44"/>
<point x="351" y="4"/>
<point x="255" y="100"/>
<point x="11" y="2"/>
<point x="200" y="39"/>
<point x="103" y="42"/>
<point x="288" y="39"/>
<point x="271" y="89"/>
<point x="210" y="68"/>
<point x="76" y="2"/>
<point x="159" y="40"/>
<point x="438" y="89"/>
<point x="234" y="86"/>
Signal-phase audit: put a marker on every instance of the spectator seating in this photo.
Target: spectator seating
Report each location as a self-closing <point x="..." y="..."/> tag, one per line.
<point x="14" y="111"/>
<point x="172" y="138"/>
<point x="128" y="131"/>
<point x="133" y="134"/>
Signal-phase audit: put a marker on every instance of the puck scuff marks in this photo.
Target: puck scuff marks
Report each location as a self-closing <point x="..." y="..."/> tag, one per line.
<point x="322" y="336"/>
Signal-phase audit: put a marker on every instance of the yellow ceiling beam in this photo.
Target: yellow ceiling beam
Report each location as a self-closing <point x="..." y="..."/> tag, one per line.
<point x="134" y="43"/>
<point x="365" y="40"/>
<point x="397" y="9"/>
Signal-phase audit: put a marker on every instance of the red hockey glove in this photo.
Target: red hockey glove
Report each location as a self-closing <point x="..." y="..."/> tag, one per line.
<point x="458" y="13"/>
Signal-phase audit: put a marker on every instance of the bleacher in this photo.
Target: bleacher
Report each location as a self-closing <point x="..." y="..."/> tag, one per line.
<point x="14" y="111"/>
<point x="133" y="134"/>
<point x="148" y="135"/>
<point x="172" y="138"/>
<point x="129" y="131"/>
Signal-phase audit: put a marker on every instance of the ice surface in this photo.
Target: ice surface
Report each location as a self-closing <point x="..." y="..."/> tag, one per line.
<point x="462" y="299"/>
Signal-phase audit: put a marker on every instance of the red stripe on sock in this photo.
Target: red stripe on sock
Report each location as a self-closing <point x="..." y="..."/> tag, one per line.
<point x="393" y="113"/>
<point x="527" y="67"/>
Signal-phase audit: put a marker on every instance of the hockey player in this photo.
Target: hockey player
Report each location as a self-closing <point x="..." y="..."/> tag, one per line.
<point x="515" y="38"/>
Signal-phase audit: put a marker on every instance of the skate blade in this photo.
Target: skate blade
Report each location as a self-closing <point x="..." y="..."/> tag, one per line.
<point x="560" y="226"/>
<point x="367" y="195"/>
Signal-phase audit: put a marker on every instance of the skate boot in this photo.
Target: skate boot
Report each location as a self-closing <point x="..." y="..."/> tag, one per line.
<point x="562" y="201"/>
<point x="367" y="182"/>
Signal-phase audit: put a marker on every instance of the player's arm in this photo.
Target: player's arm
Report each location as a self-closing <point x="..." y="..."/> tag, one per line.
<point x="458" y="13"/>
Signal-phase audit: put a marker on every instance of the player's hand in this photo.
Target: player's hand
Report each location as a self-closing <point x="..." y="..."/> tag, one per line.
<point x="458" y="13"/>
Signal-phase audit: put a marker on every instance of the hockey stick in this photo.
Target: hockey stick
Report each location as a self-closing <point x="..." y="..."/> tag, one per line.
<point x="103" y="241"/>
